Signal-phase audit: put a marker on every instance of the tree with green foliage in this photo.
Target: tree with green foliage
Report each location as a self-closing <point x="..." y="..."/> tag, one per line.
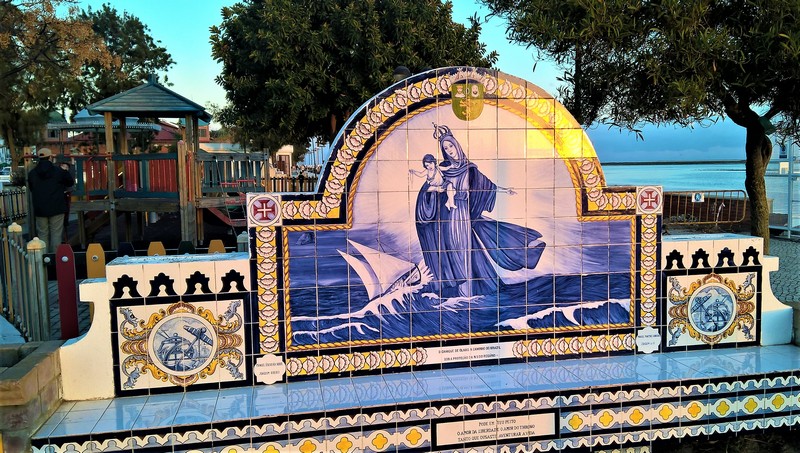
<point x="40" y="54"/>
<point x="137" y="55"/>
<point x="675" y="61"/>
<point x="296" y="69"/>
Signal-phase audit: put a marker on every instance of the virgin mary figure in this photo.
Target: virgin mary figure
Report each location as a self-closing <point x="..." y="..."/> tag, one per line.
<point x="463" y="248"/>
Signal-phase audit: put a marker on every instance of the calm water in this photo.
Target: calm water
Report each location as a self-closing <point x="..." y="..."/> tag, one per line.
<point x="706" y="177"/>
<point x="678" y="177"/>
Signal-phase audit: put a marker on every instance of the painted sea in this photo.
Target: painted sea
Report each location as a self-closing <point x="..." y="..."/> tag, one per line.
<point x="544" y="302"/>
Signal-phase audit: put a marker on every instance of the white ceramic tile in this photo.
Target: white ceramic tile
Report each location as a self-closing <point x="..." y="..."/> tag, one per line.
<point x="170" y="270"/>
<point x="745" y="242"/>
<point x="672" y="246"/>
<point x="498" y="380"/>
<point x="732" y="244"/>
<point x="372" y="391"/>
<point x="436" y="385"/>
<point x="403" y="388"/>
<point x="270" y="400"/>
<point x="91" y="405"/>
<point x="201" y="273"/>
<point x="224" y="269"/>
<point x="234" y="404"/>
<point x="694" y="247"/>
<point x="119" y="273"/>
<point x="467" y="382"/>
<point x="339" y="394"/>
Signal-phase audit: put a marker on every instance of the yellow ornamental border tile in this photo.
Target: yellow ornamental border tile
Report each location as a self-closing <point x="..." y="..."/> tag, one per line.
<point x="381" y="440"/>
<point x="359" y="361"/>
<point x="778" y="401"/>
<point x="666" y="412"/>
<point x="606" y="419"/>
<point x="751" y="404"/>
<point x="308" y="446"/>
<point x="636" y="416"/>
<point x="345" y="444"/>
<point x="414" y="436"/>
<point x="575" y="421"/>
<point x="724" y="407"/>
<point x="695" y="409"/>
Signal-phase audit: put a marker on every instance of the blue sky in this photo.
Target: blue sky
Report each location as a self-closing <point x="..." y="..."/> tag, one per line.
<point x="182" y="26"/>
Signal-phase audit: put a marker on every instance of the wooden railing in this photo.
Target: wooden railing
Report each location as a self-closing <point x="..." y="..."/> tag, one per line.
<point x="142" y="183"/>
<point x="24" y="284"/>
<point x="244" y="172"/>
<point x="136" y="175"/>
<point x="155" y="175"/>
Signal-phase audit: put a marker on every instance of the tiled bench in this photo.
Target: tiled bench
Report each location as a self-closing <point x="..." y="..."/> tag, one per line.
<point x="623" y="400"/>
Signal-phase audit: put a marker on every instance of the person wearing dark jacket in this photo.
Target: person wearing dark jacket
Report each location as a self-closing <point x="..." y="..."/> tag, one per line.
<point x="48" y="183"/>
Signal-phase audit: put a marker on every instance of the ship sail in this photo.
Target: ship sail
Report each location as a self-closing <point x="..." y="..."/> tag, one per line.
<point x="368" y="277"/>
<point x="380" y="271"/>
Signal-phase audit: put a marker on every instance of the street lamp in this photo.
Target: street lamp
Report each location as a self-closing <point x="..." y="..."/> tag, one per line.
<point x="400" y="73"/>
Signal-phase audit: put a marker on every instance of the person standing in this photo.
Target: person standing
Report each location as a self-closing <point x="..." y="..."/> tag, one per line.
<point x="48" y="183"/>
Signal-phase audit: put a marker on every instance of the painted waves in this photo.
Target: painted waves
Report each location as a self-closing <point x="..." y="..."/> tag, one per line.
<point x="342" y="290"/>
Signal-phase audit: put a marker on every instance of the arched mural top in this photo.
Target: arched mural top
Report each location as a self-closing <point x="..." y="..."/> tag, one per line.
<point x="459" y="204"/>
<point x="465" y="99"/>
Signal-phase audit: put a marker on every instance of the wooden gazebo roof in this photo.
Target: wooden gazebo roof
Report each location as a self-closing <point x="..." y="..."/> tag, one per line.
<point x="153" y="100"/>
<point x="149" y="100"/>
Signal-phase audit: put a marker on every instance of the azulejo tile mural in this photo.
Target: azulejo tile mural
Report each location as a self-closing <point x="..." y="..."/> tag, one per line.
<point x="461" y="280"/>
<point x="463" y="219"/>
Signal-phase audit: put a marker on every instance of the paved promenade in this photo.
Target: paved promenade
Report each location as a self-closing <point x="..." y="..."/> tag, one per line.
<point x="786" y="282"/>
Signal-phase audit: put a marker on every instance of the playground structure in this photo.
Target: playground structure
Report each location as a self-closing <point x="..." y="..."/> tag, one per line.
<point x="361" y="319"/>
<point x="122" y="180"/>
<point x="214" y="183"/>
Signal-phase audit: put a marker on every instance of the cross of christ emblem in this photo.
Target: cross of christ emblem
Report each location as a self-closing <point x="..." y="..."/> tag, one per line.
<point x="264" y="210"/>
<point x="649" y="200"/>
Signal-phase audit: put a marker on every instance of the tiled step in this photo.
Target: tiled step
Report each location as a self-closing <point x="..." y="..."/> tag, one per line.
<point x="623" y="400"/>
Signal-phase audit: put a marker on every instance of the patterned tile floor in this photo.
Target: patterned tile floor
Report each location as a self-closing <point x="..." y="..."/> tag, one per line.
<point x="165" y="410"/>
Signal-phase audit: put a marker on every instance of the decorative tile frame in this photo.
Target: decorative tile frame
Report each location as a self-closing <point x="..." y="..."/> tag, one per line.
<point x="187" y="323"/>
<point x="180" y="322"/>
<point x="558" y="161"/>
<point x="711" y="292"/>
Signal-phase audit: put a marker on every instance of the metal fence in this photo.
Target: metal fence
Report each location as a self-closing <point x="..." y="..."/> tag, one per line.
<point x="23" y="281"/>
<point x="783" y="187"/>
<point x="711" y="207"/>
<point x="13" y="205"/>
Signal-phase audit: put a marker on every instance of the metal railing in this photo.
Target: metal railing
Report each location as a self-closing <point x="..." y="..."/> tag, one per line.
<point x="13" y="205"/>
<point x="711" y="207"/>
<point x="781" y="178"/>
<point x="24" y="284"/>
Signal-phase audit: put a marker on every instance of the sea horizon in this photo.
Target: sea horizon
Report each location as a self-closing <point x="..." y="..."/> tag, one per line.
<point x="676" y="162"/>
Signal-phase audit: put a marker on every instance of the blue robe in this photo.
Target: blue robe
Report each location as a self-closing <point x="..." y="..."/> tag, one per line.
<point x="460" y="245"/>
